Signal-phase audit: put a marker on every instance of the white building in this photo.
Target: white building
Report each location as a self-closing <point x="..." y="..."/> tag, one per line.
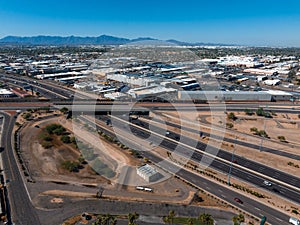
<point x="272" y="82"/>
<point x="148" y="173"/>
<point x="4" y="93"/>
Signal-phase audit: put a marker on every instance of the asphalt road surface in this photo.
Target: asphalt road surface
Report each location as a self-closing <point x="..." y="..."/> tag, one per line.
<point x="231" y="140"/>
<point x="197" y="156"/>
<point x="252" y="206"/>
<point x="22" y="211"/>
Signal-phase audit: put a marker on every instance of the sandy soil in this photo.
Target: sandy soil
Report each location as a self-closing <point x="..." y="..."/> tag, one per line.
<point x="262" y="157"/>
<point x="45" y="165"/>
<point x="242" y="126"/>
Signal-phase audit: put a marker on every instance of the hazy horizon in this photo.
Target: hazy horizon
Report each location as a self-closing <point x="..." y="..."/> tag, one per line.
<point x="250" y="23"/>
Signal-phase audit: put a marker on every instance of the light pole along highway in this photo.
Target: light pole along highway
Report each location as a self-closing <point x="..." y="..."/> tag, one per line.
<point x="250" y="205"/>
<point x="263" y="176"/>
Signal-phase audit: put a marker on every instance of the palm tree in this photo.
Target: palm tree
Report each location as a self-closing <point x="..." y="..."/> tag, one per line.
<point x="132" y="217"/>
<point x="106" y="219"/>
<point x="171" y="216"/>
<point x="190" y="221"/>
<point x="238" y="219"/>
<point x="206" y="219"/>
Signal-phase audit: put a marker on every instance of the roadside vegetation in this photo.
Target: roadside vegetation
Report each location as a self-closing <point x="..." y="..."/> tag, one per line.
<point x="203" y="219"/>
<point x="261" y="133"/>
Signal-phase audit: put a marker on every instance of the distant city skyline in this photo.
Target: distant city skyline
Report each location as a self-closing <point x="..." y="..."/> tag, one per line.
<point x="254" y="23"/>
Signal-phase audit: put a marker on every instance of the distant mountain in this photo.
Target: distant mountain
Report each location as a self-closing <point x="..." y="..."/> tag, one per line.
<point x="71" y="40"/>
<point x="75" y="40"/>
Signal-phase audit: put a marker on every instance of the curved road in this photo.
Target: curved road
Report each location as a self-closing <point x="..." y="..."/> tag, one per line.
<point x="22" y="211"/>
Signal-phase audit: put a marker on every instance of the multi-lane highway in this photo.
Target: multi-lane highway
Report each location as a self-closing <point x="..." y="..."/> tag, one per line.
<point x="226" y="139"/>
<point x="226" y="193"/>
<point x="182" y="148"/>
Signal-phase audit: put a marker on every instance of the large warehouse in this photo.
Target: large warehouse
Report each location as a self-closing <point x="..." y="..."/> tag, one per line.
<point x="234" y="96"/>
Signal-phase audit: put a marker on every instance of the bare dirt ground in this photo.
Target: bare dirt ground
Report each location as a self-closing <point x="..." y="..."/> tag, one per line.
<point x="243" y="125"/>
<point x="45" y="166"/>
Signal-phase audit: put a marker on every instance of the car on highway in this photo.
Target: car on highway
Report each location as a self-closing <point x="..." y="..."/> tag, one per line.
<point x="267" y="183"/>
<point x="294" y="221"/>
<point x="238" y="200"/>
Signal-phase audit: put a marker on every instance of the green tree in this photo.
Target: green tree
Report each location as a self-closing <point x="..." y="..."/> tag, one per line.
<point x="248" y="112"/>
<point x="231" y="116"/>
<point x="263" y="133"/>
<point x="238" y="219"/>
<point x="190" y="221"/>
<point x="27" y="116"/>
<point x="65" y="139"/>
<point x="52" y="127"/>
<point x="281" y="138"/>
<point x="132" y="217"/>
<point x="229" y="125"/>
<point x="59" y="131"/>
<point x="71" y="166"/>
<point x="254" y="130"/>
<point x="64" y="110"/>
<point x="206" y="219"/>
<point x="260" y="112"/>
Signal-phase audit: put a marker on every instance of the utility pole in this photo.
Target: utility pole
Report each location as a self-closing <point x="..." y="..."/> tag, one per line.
<point x="263" y="138"/>
<point x="232" y="158"/>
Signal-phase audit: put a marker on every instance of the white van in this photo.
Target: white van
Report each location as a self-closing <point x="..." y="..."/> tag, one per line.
<point x="140" y="188"/>
<point x="294" y="221"/>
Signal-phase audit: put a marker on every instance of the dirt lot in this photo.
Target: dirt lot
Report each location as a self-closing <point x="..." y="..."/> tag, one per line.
<point x="45" y="165"/>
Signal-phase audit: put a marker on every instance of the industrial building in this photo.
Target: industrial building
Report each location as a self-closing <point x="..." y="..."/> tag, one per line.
<point x="270" y="95"/>
<point x="4" y="93"/>
<point x="148" y="173"/>
<point x="145" y="92"/>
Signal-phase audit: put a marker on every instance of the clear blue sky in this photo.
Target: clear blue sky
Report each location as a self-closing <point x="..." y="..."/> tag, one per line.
<point x="265" y="22"/>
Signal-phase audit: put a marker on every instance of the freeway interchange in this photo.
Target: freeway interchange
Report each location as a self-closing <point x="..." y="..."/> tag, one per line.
<point x="18" y="194"/>
<point x="252" y="206"/>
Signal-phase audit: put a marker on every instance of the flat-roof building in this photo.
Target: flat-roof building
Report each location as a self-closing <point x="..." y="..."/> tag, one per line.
<point x="148" y="173"/>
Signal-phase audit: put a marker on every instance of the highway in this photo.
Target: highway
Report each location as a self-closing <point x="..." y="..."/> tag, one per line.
<point x="22" y="210"/>
<point x="249" y="205"/>
<point x="226" y="139"/>
<point x="174" y="145"/>
<point x="226" y="193"/>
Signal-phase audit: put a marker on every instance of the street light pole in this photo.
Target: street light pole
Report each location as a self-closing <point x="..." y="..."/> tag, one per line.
<point x="232" y="158"/>
<point x="262" y="139"/>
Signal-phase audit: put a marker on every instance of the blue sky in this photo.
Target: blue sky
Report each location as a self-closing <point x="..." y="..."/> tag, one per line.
<point x="265" y="22"/>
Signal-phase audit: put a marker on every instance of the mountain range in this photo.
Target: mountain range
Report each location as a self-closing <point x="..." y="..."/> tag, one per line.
<point x="76" y="40"/>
